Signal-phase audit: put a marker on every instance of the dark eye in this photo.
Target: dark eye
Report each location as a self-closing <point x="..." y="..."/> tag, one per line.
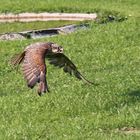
<point x="54" y="47"/>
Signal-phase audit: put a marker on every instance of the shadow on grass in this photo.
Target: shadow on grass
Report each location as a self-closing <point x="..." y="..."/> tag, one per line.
<point x="2" y="94"/>
<point x="133" y="97"/>
<point x="135" y="93"/>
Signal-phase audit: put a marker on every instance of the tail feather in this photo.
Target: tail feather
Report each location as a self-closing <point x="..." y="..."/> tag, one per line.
<point x="17" y="59"/>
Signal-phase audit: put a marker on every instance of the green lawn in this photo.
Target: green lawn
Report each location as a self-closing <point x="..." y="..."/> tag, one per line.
<point x="108" y="54"/>
<point x="129" y="7"/>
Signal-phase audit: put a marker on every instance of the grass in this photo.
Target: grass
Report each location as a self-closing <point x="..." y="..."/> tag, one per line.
<point x="128" y="7"/>
<point x="106" y="53"/>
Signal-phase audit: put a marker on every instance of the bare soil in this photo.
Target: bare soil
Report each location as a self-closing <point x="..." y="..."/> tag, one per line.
<point x="28" y="17"/>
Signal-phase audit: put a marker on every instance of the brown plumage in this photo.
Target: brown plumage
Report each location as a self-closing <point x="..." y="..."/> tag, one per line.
<point x="33" y="63"/>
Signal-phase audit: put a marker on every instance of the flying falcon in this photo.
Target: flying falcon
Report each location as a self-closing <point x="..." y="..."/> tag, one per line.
<point x="34" y="67"/>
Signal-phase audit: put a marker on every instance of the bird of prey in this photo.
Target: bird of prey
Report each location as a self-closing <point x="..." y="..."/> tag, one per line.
<point x="34" y="67"/>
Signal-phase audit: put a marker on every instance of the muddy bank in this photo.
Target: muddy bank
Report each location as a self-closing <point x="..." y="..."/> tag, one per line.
<point x="33" y="34"/>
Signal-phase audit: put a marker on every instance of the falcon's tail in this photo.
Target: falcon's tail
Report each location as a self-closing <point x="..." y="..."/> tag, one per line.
<point x="17" y="59"/>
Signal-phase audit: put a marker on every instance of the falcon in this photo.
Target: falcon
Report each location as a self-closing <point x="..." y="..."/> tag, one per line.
<point x="34" y="67"/>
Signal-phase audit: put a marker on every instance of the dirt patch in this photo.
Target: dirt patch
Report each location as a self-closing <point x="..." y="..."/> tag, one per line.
<point x="129" y="130"/>
<point x="28" y="17"/>
<point x="11" y="36"/>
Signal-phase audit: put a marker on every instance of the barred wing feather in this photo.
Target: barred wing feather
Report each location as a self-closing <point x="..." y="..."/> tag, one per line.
<point x="60" y="60"/>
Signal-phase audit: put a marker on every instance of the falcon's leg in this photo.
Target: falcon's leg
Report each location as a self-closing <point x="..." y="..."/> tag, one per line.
<point x="47" y="86"/>
<point x="43" y="86"/>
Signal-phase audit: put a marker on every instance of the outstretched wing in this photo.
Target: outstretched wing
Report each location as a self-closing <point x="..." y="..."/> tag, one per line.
<point x="17" y="59"/>
<point x="62" y="61"/>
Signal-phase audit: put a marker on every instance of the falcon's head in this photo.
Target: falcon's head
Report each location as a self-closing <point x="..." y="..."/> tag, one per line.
<point x="55" y="48"/>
